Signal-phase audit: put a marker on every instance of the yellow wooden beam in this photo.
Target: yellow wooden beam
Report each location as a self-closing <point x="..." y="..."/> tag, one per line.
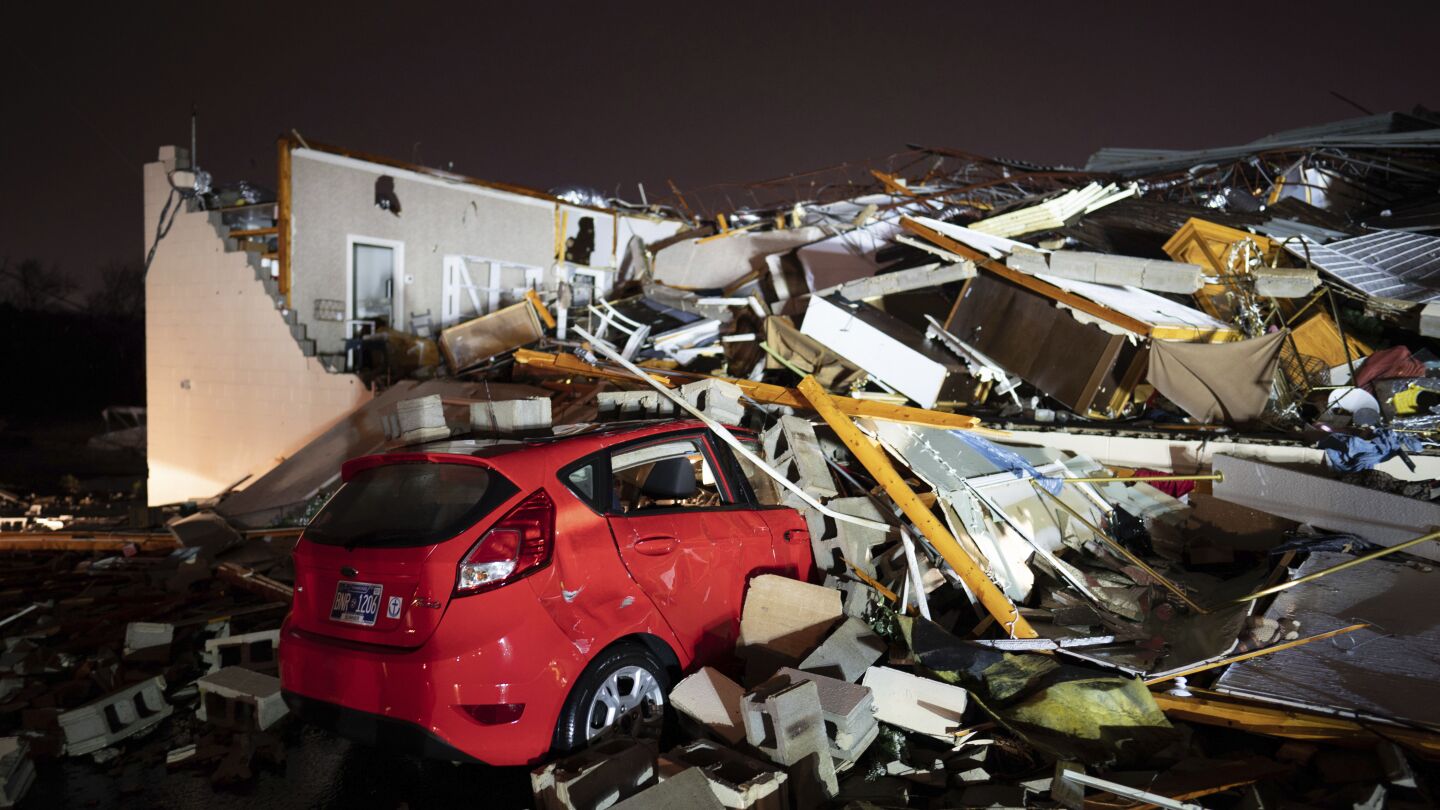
<point x="875" y="460"/>
<point x="1214" y="709"/>
<point x="763" y="393"/>
<point x="534" y="299"/>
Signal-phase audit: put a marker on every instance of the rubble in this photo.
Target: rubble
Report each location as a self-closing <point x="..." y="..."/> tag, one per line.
<point x="1075" y="450"/>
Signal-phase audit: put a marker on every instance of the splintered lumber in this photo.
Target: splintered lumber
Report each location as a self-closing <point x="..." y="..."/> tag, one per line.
<point x="1213" y="709"/>
<point x="76" y="541"/>
<point x="764" y="393"/>
<point x="879" y="466"/>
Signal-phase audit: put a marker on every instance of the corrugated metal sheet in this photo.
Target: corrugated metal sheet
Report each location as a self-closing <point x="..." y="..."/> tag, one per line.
<point x="1385" y="264"/>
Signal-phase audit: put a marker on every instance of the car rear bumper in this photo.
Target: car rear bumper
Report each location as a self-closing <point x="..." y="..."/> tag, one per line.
<point x="418" y="696"/>
<point x="374" y="729"/>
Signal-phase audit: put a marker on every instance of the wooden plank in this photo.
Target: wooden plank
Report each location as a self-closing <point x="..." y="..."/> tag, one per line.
<point x="540" y="309"/>
<point x="252" y="232"/>
<point x="1076" y="302"/>
<point x="884" y="472"/>
<point x="760" y="392"/>
<point x="73" y="541"/>
<point x="282" y="216"/>
<point x="1211" y="708"/>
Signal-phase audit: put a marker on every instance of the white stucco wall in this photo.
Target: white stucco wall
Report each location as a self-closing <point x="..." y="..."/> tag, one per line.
<point x="228" y="390"/>
<point x="333" y="202"/>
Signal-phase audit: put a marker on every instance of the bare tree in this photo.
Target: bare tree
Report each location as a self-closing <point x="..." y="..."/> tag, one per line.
<point x="28" y="284"/>
<point x="121" y="293"/>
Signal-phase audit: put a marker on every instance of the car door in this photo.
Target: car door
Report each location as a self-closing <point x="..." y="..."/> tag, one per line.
<point x="687" y="536"/>
<point x="789" y="534"/>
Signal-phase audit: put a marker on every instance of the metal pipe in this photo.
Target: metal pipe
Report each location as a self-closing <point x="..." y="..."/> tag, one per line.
<point x="1374" y="555"/>
<point x="1115" y="546"/>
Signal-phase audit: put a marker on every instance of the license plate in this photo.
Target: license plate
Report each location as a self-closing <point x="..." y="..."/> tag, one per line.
<point x="356" y="603"/>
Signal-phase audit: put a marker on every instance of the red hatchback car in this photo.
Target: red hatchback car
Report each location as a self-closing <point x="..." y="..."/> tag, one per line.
<point x="494" y="601"/>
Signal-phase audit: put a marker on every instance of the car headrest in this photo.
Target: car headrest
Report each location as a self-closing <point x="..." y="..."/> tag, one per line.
<point x="672" y="478"/>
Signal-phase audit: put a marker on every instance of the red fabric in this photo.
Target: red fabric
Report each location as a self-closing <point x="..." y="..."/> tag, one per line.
<point x="1388" y="364"/>
<point x="1175" y="489"/>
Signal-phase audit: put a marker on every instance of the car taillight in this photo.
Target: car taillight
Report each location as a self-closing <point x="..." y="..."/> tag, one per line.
<point x="517" y="544"/>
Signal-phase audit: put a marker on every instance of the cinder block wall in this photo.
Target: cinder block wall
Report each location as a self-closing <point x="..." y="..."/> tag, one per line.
<point x="228" y="390"/>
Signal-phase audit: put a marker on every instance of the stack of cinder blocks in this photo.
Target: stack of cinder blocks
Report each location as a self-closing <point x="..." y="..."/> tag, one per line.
<point x="634" y="405"/>
<point x="239" y="698"/>
<point x="510" y="416"/>
<point x="848" y="711"/>
<point x="717" y="399"/>
<point x="256" y="651"/>
<point x="421" y="419"/>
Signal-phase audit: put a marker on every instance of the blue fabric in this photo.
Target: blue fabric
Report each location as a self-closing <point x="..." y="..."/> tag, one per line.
<point x="1008" y="460"/>
<point x="1350" y="454"/>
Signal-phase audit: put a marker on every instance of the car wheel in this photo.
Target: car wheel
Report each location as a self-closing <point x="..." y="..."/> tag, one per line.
<point x="625" y="686"/>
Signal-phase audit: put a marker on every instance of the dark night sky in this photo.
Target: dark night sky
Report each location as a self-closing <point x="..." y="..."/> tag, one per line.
<point x="612" y="93"/>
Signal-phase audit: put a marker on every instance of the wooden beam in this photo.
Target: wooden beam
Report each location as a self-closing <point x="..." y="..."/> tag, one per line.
<point x="79" y="541"/>
<point x="282" y="216"/>
<point x="252" y="232"/>
<point x="761" y="392"/>
<point x="880" y="467"/>
<point x="1029" y="282"/>
<point x="1214" y="709"/>
<point x="540" y="309"/>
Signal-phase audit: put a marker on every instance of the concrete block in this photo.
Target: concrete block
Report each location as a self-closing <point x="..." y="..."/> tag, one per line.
<point x="712" y="700"/>
<point x="717" y="399"/>
<point x="258" y="651"/>
<point x="785" y="722"/>
<point x="792" y="448"/>
<point x="849" y="712"/>
<point x="1430" y="319"/>
<point x="1285" y="282"/>
<point x="242" y="699"/>
<point x="738" y="781"/>
<point x="421" y="419"/>
<point x="689" y="788"/>
<point x="849" y="650"/>
<point x="916" y="704"/>
<point x="17" y="772"/>
<point x="510" y="416"/>
<point x="145" y="635"/>
<point x="854" y="543"/>
<point x="634" y="404"/>
<point x="597" y="777"/>
<point x="782" y="621"/>
<point x="114" y="717"/>
<point x="916" y="278"/>
<point x="1027" y="261"/>
<point x="1103" y="268"/>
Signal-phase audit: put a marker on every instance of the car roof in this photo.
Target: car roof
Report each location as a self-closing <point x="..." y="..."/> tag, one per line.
<point x="574" y="440"/>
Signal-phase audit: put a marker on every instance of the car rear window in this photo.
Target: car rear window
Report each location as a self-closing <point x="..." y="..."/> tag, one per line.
<point x="398" y="505"/>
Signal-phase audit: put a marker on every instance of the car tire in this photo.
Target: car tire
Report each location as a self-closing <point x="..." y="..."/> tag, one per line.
<point x="619" y="671"/>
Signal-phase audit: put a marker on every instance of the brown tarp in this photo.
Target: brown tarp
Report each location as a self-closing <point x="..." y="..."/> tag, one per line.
<point x="807" y="354"/>
<point x="1224" y="383"/>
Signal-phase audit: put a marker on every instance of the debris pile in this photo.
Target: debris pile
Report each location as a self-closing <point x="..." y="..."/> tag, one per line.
<point x="1120" y="483"/>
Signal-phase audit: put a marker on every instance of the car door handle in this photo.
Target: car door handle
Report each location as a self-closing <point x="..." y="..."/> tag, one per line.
<point x="657" y="546"/>
<point x="791" y="534"/>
